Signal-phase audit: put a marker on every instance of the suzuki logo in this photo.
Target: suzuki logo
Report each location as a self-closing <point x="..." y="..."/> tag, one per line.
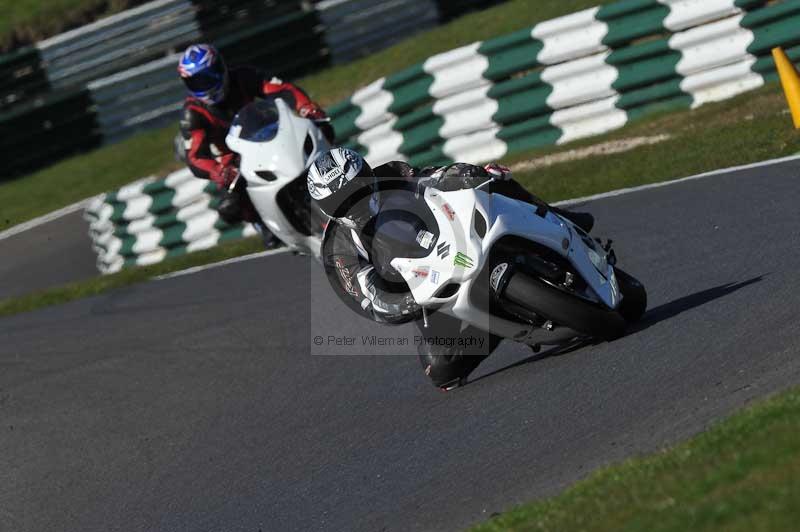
<point x="443" y="250"/>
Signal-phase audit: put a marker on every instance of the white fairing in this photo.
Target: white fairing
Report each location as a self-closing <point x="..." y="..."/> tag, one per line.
<point x="284" y="156"/>
<point x="504" y="217"/>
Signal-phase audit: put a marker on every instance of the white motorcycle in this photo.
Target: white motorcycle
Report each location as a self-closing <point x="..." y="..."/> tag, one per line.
<point x="516" y="270"/>
<point x="277" y="147"/>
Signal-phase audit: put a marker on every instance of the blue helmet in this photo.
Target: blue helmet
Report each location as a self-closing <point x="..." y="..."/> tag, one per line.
<point x="204" y="72"/>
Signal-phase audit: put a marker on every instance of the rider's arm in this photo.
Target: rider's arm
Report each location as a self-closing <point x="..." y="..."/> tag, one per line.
<point x="302" y="103"/>
<point x="290" y="92"/>
<point x="456" y="176"/>
<point x="461" y="176"/>
<point x="199" y="158"/>
<point x="355" y="281"/>
<point x="386" y="306"/>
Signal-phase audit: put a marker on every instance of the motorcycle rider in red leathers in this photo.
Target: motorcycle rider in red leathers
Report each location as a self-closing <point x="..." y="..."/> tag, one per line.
<point x="216" y="94"/>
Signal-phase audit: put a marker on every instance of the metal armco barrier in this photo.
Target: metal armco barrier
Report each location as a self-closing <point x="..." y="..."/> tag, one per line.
<point x="567" y="78"/>
<point x="48" y="129"/>
<point x="21" y="76"/>
<point x="360" y="27"/>
<point x="281" y="36"/>
<point x="120" y="41"/>
<point x="147" y="96"/>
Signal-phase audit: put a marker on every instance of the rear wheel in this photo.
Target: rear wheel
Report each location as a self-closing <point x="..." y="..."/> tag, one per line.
<point x="634" y="297"/>
<point x="564" y="309"/>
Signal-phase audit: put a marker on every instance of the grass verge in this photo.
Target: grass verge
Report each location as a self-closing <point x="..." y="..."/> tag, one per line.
<point x="101" y="284"/>
<point x="725" y="479"/>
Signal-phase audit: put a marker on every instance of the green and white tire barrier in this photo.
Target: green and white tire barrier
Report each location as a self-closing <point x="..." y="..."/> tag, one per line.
<point x="567" y="78"/>
<point x="153" y="219"/>
<point x="564" y="79"/>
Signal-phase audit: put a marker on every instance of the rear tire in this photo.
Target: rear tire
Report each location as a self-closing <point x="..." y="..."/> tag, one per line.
<point x="564" y="309"/>
<point x="634" y="297"/>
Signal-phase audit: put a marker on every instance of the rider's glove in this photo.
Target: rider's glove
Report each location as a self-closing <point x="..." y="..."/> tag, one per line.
<point x="312" y="111"/>
<point x="498" y="171"/>
<point x="227" y="176"/>
<point x="389" y="307"/>
<point x="227" y="172"/>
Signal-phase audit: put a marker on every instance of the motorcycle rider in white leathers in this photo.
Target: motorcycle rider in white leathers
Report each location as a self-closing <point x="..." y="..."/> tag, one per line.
<point x="353" y="195"/>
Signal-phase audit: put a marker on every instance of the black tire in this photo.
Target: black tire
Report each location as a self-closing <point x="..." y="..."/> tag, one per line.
<point x="634" y="297"/>
<point x="565" y="309"/>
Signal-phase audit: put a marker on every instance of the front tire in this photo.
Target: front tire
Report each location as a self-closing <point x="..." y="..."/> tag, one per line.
<point x="634" y="297"/>
<point x="565" y="309"/>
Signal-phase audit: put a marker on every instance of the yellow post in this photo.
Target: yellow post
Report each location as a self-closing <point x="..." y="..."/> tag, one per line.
<point x="790" y="80"/>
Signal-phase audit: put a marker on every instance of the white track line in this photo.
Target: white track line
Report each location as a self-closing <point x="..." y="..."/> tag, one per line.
<point x="234" y="260"/>
<point x="47" y="218"/>
<point x="623" y="191"/>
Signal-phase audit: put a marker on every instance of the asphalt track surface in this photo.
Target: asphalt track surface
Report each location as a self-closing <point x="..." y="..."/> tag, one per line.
<point x="194" y="403"/>
<point x="49" y="255"/>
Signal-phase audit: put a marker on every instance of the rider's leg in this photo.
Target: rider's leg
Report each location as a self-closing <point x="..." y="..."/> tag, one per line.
<point x="448" y="355"/>
<point x="236" y="207"/>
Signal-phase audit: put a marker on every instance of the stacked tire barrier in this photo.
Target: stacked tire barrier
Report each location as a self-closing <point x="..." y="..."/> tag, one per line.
<point x="568" y="78"/>
<point x="154" y="219"/>
<point x="564" y="79"/>
<point x="126" y="62"/>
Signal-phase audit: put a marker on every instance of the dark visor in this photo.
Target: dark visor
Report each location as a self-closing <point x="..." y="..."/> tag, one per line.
<point x="204" y="81"/>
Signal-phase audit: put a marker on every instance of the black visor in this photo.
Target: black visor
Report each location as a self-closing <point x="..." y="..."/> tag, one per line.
<point x="205" y="81"/>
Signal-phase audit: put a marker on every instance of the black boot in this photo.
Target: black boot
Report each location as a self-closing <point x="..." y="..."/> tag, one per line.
<point x="449" y="371"/>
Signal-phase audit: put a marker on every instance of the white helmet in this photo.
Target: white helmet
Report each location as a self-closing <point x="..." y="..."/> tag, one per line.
<point x="344" y="186"/>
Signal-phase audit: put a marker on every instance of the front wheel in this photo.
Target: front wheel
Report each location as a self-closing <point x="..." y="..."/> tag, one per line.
<point x="564" y="309"/>
<point x="634" y="296"/>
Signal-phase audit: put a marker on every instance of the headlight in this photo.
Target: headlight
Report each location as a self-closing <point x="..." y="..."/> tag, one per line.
<point x="598" y="260"/>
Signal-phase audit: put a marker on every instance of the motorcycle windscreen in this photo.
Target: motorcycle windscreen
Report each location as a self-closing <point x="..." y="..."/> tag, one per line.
<point x="405" y="227"/>
<point x="259" y="121"/>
